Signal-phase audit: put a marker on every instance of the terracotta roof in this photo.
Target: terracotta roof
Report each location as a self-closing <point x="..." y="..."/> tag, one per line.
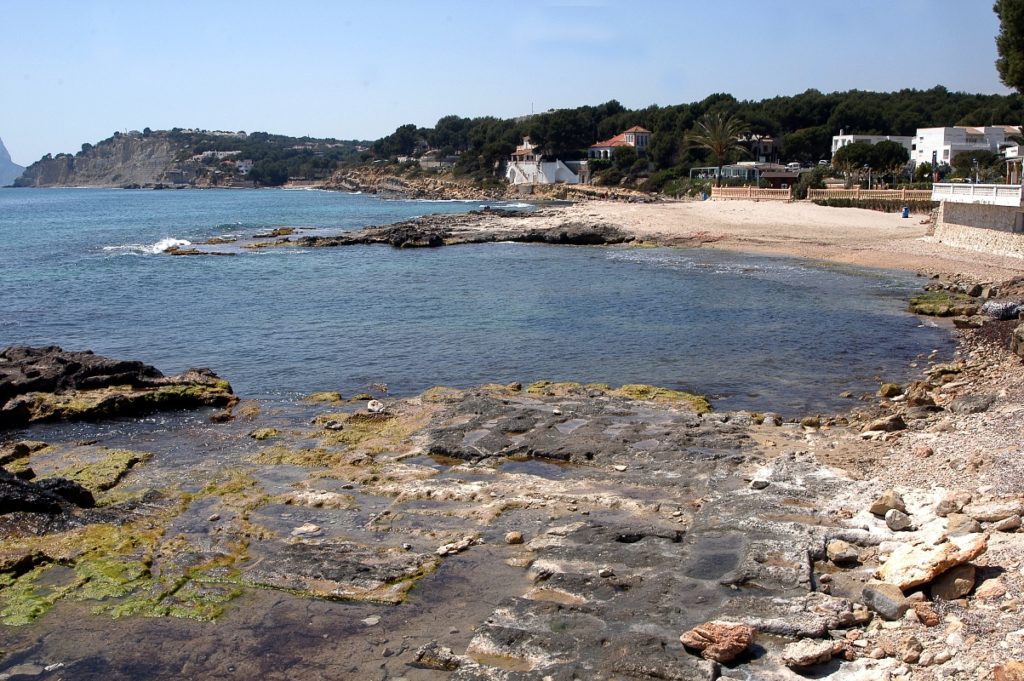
<point x="637" y="128"/>
<point x="619" y="140"/>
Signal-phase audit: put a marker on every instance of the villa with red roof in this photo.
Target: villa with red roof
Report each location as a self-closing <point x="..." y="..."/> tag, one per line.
<point x="636" y="137"/>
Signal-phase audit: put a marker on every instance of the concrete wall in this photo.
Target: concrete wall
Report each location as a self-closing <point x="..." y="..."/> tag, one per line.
<point x="989" y="229"/>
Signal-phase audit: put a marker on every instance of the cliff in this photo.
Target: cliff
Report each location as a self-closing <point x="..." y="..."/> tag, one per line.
<point x="9" y="170"/>
<point x="123" y="160"/>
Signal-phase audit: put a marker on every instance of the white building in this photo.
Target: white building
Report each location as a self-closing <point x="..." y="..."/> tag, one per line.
<point x="842" y="139"/>
<point x="946" y="143"/>
<point x="528" y="166"/>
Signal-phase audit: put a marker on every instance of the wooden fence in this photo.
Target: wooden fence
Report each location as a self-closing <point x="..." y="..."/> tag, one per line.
<point x="858" y="193"/>
<point x="752" y="193"/>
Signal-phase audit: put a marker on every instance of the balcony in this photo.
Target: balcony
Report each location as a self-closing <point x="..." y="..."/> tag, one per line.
<point x="982" y="194"/>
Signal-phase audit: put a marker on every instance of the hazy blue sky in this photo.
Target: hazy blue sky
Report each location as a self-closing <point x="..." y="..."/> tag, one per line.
<point x="77" y="71"/>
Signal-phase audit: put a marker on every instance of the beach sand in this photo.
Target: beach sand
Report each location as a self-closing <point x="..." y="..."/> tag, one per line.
<point x="847" y="235"/>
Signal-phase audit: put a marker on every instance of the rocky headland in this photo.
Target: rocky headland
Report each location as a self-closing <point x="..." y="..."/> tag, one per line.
<point x="555" y="530"/>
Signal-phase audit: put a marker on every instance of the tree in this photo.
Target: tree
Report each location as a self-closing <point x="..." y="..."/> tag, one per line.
<point x="851" y="158"/>
<point x="1010" y="43"/>
<point x="889" y="157"/>
<point x="720" y="135"/>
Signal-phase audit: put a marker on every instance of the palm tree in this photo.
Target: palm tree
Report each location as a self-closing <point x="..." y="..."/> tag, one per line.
<point x="720" y="134"/>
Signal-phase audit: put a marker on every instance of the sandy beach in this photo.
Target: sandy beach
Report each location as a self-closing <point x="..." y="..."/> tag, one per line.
<point x="845" y="235"/>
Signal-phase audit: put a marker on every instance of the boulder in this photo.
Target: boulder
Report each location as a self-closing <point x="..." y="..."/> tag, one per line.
<point x="955" y="583"/>
<point x="719" y="640"/>
<point x="435" y="656"/>
<point x="809" y="652"/>
<point x="971" y="404"/>
<point x="885" y="599"/>
<point x="69" y="490"/>
<point x="911" y="565"/>
<point x="889" y="499"/>
<point x="918" y="394"/>
<point x="1001" y="310"/>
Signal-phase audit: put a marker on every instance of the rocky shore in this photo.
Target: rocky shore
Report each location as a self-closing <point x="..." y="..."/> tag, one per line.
<point x="557" y="531"/>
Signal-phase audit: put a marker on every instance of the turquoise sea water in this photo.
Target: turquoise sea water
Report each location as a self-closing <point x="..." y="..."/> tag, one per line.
<point x="80" y="269"/>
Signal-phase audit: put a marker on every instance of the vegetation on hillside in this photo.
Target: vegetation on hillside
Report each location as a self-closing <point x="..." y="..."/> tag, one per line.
<point x="803" y="126"/>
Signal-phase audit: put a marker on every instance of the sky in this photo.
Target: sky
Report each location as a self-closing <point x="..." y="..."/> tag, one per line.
<point x="76" y="71"/>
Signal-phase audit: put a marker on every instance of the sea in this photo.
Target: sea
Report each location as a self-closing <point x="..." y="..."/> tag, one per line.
<point x="87" y="269"/>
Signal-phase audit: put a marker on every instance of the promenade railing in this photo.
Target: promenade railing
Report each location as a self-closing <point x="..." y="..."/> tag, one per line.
<point x="989" y="194"/>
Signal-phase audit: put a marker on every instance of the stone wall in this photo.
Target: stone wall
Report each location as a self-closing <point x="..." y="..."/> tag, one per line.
<point x="989" y="229"/>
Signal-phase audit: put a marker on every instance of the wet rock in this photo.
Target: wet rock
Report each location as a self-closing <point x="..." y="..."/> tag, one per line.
<point x="69" y="490"/>
<point x="719" y="640"/>
<point x="809" y="652"/>
<point x="49" y="384"/>
<point x="842" y="553"/>
<point x="885" y="599"/>
<point x="264" y="433"/>
<point x="959" y="524"/>
<point x="889" y="499"/>
<point x="993" y="511"/>
<point x="918" y="394"/>
<point x="810" y="422"/>
<point x="307" y="530"/>
<point x="435" y="656"/>
<point x="514" y="537"/>
<point x="955" y="583"/>
<point x="890" y="390"/>
<point x="19" y="495"/>
<point x="898" y="521"/>
<point x="456" y="547"/>
<point x="911" y="565"/>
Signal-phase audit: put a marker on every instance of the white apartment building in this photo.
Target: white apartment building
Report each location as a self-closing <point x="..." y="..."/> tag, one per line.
<point x="842" y="139"/>
<point x="946" y="143"/>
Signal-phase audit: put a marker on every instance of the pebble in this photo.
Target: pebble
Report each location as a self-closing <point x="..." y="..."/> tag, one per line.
<point x="1011" y="524"/>
<point x="605" y="572"/>
<point x="514" y="537"/>
<point x="214" y="517"/>
<point x="371" y="620"/>
<point x="619" y="467"/>
<point x="307" y="530"/>
<point x="889" y="499"/>
<point x="758" y="483"/>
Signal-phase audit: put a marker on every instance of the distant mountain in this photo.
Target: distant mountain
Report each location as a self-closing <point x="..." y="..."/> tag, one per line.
<point x="9" y="170"/>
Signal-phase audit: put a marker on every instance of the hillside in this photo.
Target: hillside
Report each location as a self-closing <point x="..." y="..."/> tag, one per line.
<point x="190" y="158"/>
<point x="9" y="170"/>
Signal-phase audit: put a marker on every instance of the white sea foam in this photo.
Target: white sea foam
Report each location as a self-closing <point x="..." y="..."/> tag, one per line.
<point x="149" y="249"/>
<point x="512" y="205"/>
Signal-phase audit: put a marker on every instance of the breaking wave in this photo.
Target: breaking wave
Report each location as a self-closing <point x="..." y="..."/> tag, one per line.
<point x="149" y="249"/>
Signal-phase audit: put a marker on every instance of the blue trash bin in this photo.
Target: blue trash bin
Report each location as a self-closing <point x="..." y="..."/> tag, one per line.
<point x="906" y="212"/>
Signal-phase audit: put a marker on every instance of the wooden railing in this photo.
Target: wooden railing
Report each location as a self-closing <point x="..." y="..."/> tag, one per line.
<point x="752" y="193"/>
<point x="858" y="193"/>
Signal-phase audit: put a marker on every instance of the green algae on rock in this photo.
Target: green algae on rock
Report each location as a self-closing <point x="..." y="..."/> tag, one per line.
<point x="943" y="304"/>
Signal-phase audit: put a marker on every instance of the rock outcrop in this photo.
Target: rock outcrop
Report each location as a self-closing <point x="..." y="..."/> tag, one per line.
<point x="9" y="170"/>
<point x="49" y="384"/>
<point x="122" y="161"/>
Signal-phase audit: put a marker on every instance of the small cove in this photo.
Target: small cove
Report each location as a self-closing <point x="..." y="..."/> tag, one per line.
<point x="753" y="332"/>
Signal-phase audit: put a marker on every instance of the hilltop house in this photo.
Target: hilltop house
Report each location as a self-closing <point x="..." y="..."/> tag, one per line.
<point x="636" y="137"/>
<point x="528" y="166"/>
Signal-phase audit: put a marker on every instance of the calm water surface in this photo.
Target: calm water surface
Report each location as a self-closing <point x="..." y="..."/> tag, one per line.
<point x="80" y="269"/>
